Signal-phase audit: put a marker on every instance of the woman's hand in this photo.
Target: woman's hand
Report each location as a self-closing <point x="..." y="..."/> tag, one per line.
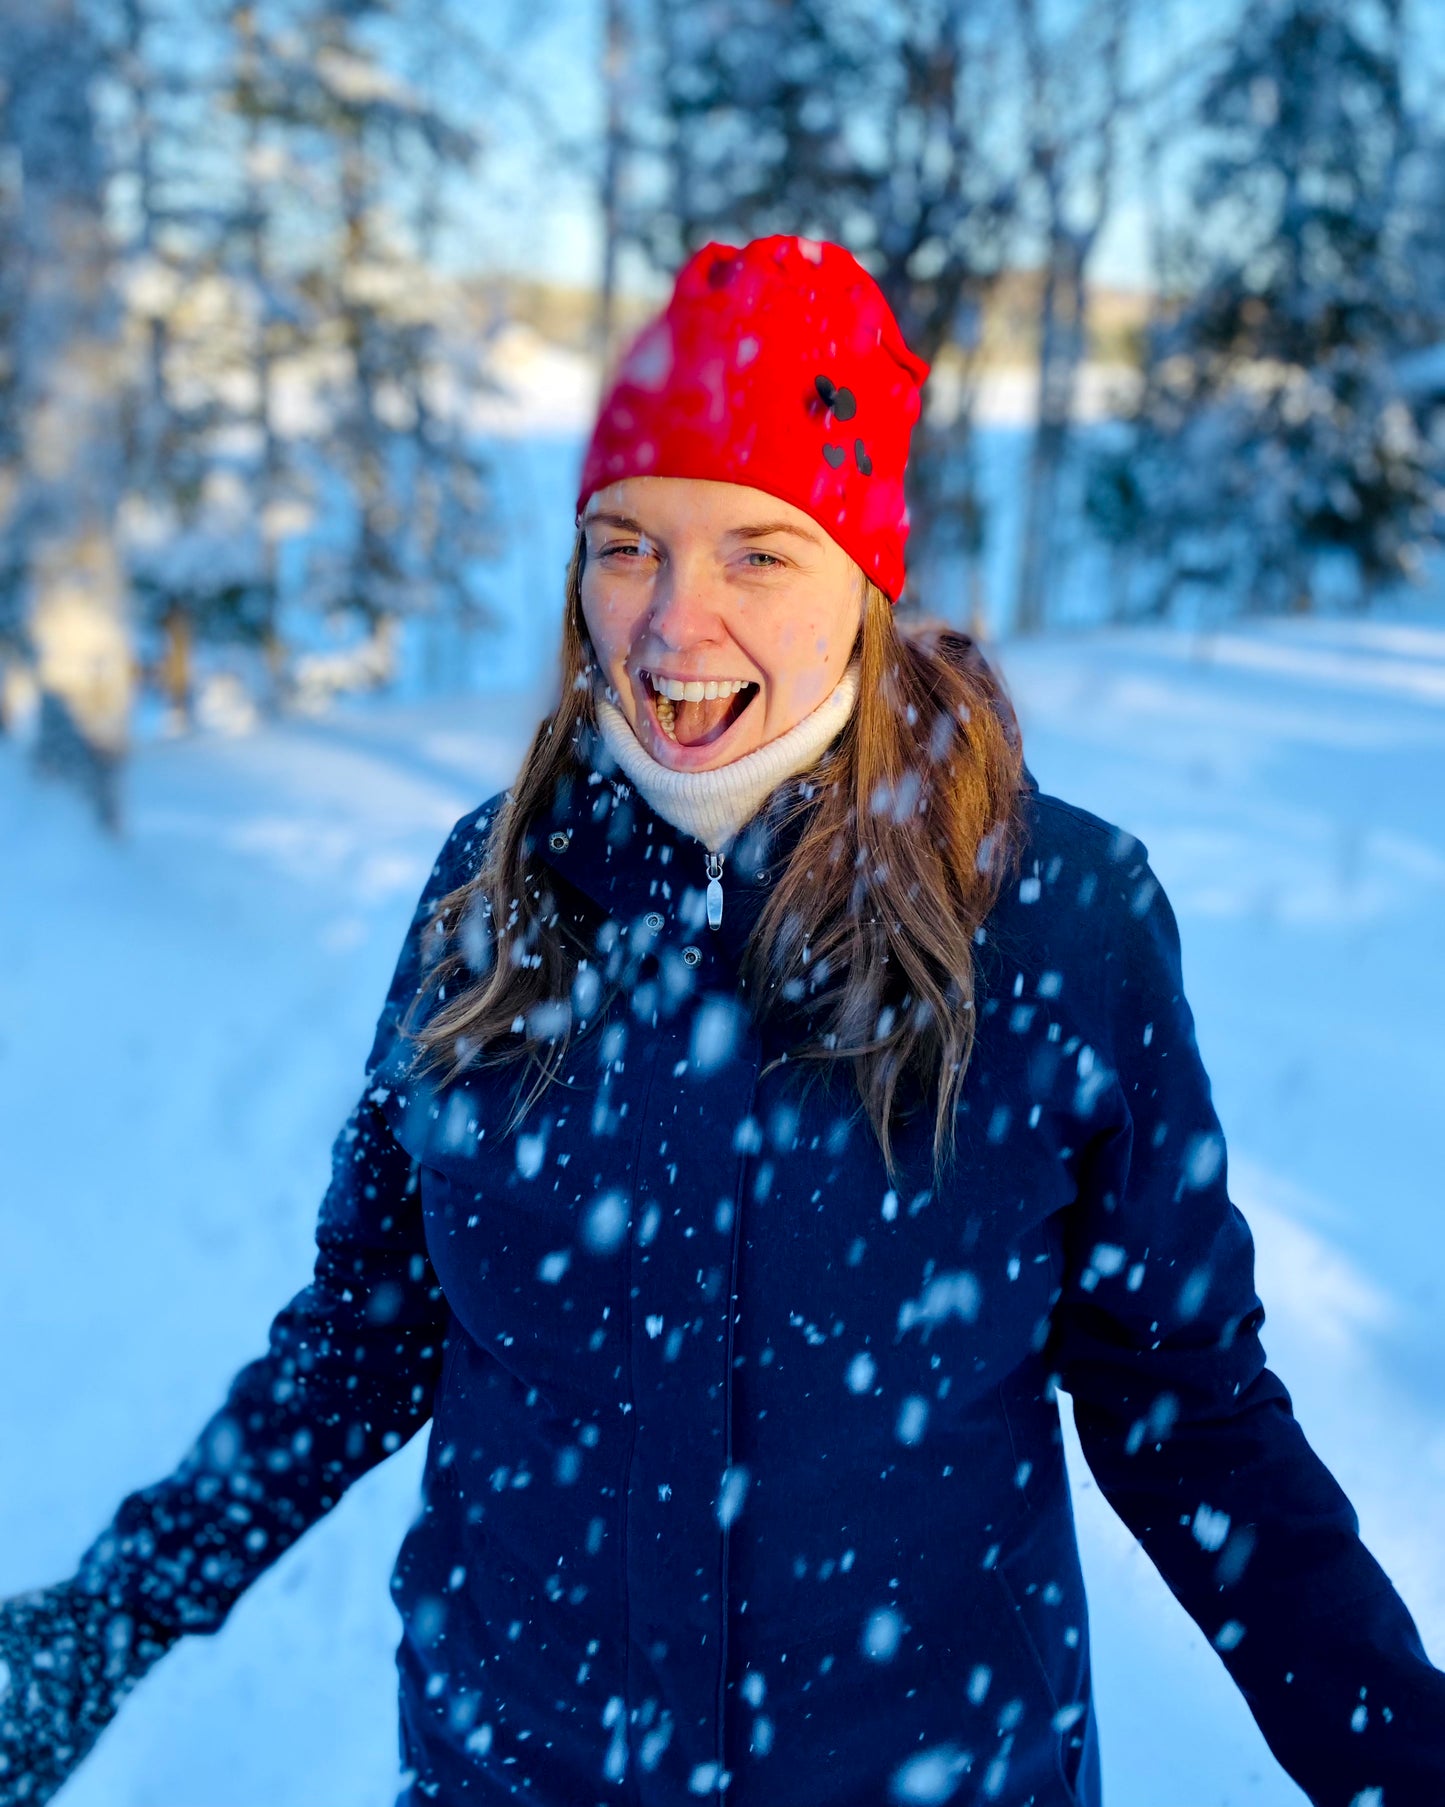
<point x="67" y="1660"/>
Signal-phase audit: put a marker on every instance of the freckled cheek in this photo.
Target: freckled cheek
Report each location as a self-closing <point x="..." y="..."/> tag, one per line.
<point x="788" y="638"/>
<point x="794" y="657"/>
<point x="614" y="622"/>
<point x="802" y="639"/>
<point x="794" y="689"/>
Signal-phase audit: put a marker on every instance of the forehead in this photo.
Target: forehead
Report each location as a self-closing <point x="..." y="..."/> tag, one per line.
<point x="703" y="505"/>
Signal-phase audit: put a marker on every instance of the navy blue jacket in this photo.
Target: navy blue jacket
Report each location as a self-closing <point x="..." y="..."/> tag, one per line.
<point x="745" y="1477"/>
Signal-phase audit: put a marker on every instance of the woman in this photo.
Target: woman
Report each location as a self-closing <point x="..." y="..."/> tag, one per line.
<point x="777" y="1098"/>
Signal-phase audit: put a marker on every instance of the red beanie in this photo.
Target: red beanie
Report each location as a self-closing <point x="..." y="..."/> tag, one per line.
<point x="779" y="366"/>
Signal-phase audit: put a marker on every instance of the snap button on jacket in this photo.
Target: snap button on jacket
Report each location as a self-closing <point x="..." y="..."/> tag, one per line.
<point x="745" y="1477"/>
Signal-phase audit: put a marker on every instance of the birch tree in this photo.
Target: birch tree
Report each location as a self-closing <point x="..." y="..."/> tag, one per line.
<point x="14" y="639"/>
<point x="65" y="348"/>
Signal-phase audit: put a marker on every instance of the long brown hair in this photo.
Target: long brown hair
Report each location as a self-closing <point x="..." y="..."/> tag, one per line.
<point x="911" y="826"/>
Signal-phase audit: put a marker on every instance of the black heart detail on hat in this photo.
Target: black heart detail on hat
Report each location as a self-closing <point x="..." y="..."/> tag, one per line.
<point x="842" y="402"/>
<point x="834" y="454"/>
<point x="865" y="463"/>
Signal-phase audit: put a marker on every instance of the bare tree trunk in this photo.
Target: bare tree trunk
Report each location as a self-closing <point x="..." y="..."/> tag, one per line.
<point x="1062" y="317"/>
<point x="175" y="671"/>
<point x="946" y="535"/>
<point x="68" y="382"/>
<point x="1121" y="574"/>
<point x="270" y="504"/>
<point x="614" y="63"/>
<point x="1063" y="301"/>
<point x="1045" y="455"/>
<point x="372" y="586"/>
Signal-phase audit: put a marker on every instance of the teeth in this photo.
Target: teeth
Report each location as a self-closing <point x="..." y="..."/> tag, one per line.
<point x="668" y="692"/>
<point x="695" y="690"/>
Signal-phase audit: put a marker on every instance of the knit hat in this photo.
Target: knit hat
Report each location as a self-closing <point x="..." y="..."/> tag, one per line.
<point x="779" y="366"/>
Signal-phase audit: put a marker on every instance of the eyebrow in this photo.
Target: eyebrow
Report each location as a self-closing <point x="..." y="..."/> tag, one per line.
<point x="757" y="532"/>
<point x="765" y="527"/>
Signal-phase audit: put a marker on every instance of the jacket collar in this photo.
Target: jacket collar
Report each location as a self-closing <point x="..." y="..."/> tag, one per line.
<point x="602" y="836"/>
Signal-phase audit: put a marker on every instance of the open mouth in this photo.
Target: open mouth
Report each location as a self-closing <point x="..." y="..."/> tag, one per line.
<point x="696" y="712"/>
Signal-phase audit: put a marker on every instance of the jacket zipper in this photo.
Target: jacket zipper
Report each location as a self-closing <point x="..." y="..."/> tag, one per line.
<point x="714" y="890"/>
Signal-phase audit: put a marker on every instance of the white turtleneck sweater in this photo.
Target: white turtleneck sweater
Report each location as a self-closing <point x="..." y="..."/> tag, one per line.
<point x="713" y="805"/>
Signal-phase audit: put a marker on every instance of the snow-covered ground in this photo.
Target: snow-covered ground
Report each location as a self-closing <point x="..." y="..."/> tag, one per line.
<point x="183" y="1017"/>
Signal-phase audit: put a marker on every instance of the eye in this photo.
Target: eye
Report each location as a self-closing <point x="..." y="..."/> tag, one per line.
<point x="624" y="549"/>
<point x="768" y="558"/>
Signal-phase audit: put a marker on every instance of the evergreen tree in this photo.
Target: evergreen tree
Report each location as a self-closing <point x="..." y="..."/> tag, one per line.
<point x="394" y="386"/>
<point x="193" y="565"/>
<point x="1271" y="427"/>
<point x="304" y="376"/>
<point x="878" y="126"/>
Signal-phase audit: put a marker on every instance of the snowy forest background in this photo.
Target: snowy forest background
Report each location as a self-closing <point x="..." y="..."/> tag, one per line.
<point x="303" y="311"/>
<point x="272" y="275"/>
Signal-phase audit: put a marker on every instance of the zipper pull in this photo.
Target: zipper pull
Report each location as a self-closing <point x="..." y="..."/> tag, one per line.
<point x="714" y="890"/>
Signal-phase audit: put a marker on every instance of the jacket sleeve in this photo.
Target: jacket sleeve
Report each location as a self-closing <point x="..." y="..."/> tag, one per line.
<point x="349" y="1374"/>
<point x="1191" y="1438"/>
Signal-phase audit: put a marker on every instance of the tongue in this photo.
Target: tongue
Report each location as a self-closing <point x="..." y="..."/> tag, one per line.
<point x="694" y="723"/>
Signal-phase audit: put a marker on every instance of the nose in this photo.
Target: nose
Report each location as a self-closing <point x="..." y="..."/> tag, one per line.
<point x="685" y="606"/>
